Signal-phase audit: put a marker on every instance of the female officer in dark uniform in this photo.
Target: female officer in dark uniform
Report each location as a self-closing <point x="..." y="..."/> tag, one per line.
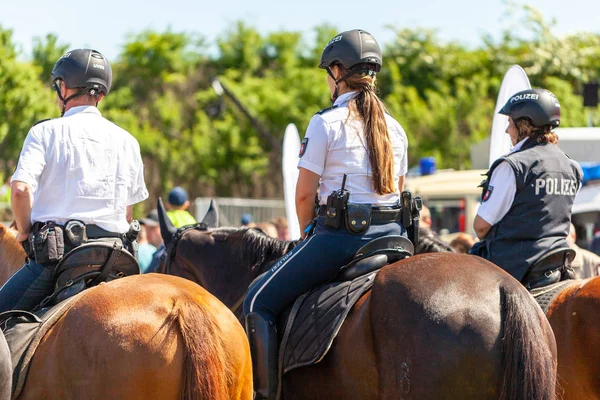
<point x="355" y="138"/>
<point x="527" y="198"/>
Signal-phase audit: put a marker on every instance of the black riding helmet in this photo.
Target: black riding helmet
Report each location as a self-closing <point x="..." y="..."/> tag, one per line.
<point x="540" y="106"/>
<point x="355" y="50"/>
<point x="83" y="69"/>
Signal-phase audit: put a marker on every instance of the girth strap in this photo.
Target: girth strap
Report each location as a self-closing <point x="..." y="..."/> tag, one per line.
<point x="114" y="255"/>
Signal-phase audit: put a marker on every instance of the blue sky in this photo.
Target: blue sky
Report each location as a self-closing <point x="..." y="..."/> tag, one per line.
<point x="105" y="24"/>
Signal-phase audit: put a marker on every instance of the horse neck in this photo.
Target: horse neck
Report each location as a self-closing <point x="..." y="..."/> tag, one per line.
<point x="253" y="253"/>
<point x="12" y="254"/>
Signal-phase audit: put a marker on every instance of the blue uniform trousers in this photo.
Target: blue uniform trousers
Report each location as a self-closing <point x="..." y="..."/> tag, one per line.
<point x="27" y="287"/>
<point x="315" y="261"/>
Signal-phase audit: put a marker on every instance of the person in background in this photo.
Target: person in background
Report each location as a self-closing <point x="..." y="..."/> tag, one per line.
<point x="462" y="243"/>
<point x="177" y="205"/>
<point x="282" y="228"/>
<point x="425" y="219"/>
<point x="145" y="249"/>
<point x="268" y="228"/>
<point x="585" y="263"/>
<point x="153" y="242"/>
<point x="155" y="239"/>
<point x="246" y="221"/>
<point x="595" y="245"/>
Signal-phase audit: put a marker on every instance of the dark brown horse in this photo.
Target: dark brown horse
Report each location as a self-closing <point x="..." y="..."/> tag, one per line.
<point x="572" y="315"/>
<point x="435" y="326"/>
<point x="141" y="337"/>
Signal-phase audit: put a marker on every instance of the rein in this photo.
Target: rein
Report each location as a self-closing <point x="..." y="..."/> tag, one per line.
<point x="170" y="254"/>
<point x="172" y="244"/>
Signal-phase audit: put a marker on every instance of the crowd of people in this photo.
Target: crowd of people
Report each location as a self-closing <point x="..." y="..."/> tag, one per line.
<point x="150" y="242"/>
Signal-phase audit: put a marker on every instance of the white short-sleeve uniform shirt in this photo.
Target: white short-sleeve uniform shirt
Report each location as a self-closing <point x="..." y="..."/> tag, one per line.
<point x="84" y="167"/>
<point x="500" y="197"/>
<point x="335" y="145"/>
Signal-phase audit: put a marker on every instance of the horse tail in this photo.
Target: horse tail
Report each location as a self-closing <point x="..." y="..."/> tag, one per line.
<point x="205" y="372"/>
<point x="528" y="360"/>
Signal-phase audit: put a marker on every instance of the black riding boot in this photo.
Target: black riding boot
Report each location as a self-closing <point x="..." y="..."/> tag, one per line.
<point x="262" y="336"/>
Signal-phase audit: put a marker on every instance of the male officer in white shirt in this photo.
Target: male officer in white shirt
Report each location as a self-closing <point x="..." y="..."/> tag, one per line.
<point x="78" y="167"/>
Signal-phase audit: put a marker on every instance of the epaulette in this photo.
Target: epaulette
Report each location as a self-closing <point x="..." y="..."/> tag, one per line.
<point x="323" y="111"/>
<point x="40" y="121"/>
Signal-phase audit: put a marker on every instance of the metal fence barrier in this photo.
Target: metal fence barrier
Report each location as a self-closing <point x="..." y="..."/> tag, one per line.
<point x="232" y="209"/>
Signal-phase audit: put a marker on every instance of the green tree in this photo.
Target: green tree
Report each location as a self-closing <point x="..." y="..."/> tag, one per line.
<point x="23" y="101"/>
<point x="46" y="51"/>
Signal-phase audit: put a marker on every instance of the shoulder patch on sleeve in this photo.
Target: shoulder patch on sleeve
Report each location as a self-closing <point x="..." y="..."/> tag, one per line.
<point x="323" y="111"/>
<point x="488" y="193"/>
<point x="303" y="147"/>
<point x="40" y="121"/>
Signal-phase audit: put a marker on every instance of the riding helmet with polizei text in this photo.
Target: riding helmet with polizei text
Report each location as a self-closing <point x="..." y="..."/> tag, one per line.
<point x="538" y="105"/>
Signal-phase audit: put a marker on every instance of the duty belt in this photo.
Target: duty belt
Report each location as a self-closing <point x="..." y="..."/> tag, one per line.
<point x="379" y="215"/>
<point x="95" y="232"/>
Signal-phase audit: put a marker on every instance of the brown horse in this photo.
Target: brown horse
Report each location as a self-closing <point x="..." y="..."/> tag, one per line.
<point x="140" y="337"/>
<point x="435" y="326"/>
<point x="572" y="315"/>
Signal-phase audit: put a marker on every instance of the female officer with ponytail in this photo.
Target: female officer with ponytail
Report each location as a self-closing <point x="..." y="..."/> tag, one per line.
<point x="527" y="198"/>
<point x="354" y="138"/>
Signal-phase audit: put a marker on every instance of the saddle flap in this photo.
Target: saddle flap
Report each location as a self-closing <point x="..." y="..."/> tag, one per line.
<point x="315" y="321"/>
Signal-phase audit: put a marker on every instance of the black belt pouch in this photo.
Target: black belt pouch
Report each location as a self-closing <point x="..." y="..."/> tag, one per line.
<point x="358" y="217"/>
<point x="48" y="244"/>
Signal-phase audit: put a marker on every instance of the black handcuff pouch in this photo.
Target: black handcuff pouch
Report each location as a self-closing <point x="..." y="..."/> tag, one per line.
<point x="358" y="217"/>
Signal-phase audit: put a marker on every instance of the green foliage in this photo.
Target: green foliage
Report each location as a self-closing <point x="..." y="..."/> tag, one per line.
<point x="45" y="54"/>
<point x="443" y="94"/>
<point x="24" y="99"/>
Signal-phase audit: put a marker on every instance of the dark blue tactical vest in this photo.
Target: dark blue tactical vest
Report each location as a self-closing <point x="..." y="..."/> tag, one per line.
<point x="539" y="218"/>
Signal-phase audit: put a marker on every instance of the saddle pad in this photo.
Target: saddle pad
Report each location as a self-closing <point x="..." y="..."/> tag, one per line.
<point x="315" y="320"/>
<point x="546" y="294"/>
<point x="24" y="332"/>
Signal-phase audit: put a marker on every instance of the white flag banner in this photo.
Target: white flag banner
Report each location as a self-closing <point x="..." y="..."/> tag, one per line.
<point x="515" y="80"/>
<point x="289" y="164"/>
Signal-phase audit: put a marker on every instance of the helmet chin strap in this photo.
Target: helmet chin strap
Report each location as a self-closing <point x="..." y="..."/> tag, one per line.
<point x="335" y="95"/>
<point x="80" y="92"/>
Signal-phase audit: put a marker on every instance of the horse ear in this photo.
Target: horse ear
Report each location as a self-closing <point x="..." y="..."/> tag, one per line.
<point x="167" y="229"/>
<point x="211" y="219"/>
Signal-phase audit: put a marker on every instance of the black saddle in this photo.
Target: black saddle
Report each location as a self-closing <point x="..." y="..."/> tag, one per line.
<point x="375" y="255"/>
<point x="310" y="326"/>
<point x="88" y="265"/>
<point x="552" y="267"/>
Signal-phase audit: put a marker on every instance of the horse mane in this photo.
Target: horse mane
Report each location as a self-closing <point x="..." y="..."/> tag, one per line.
<point x="430" y="243"/>
<point x="264" y="248"/>
<point x="258" y="249"/>
<point x="12" y="254"/>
